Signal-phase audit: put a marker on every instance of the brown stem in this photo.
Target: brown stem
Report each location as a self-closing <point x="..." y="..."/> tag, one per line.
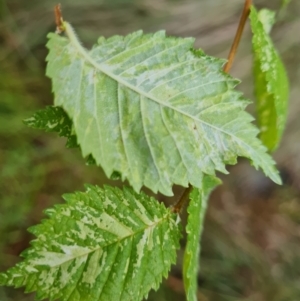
<point x="185" y="196"/>
<point x="238" y="35"/>
<point x="58" y="19"/>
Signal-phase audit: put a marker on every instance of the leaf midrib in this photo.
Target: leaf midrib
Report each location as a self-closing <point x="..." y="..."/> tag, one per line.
<point x="75" y="42"/>
<point x="73" y="39"/>
<point x="155" y="224"/>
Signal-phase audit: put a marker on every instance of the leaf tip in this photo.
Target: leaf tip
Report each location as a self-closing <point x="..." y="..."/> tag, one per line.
<point x="277" y="178"/>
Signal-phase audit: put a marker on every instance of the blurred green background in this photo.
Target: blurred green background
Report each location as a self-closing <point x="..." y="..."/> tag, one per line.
<point x="251" y="243"/>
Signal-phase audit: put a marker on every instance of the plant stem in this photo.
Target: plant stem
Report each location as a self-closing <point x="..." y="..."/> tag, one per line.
<point x="238" y="35"/>
<point x="184" y="197"/>
<point x="58" y="19"/>
<point x="244" y="16"/>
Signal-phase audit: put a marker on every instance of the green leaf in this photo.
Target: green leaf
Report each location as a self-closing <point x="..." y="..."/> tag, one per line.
<point x="270" y="79"/>
<point x="194" y="228"/>
<point x="53" y="119"/>
<point x="103" y="245"/>
<point x="153" y="109"/>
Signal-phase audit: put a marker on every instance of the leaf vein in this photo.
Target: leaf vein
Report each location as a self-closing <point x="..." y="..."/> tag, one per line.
<point x="148" y="142"/>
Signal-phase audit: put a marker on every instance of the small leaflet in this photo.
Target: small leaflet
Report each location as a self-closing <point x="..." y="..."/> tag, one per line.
<point x="54" y="119"/>
<point x="196" y="210"/>
<point x="270" y="80"/>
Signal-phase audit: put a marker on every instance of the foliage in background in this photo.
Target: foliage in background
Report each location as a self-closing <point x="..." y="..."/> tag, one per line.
<point x="54" y="119"/>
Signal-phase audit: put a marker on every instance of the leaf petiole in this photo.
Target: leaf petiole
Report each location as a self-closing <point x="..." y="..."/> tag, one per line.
<point x="238" y="35"/>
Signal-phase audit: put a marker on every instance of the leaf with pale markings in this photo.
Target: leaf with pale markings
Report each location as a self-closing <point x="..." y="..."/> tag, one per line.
<point x="153" y="109"/>
<point x="103" y="245"/>
<point x="53" y="119"/>
<point x="270" y="79"/>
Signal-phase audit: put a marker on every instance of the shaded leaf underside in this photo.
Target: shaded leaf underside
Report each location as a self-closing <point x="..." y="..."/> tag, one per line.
<point x="103" y="245"/>
<point x="153" y="109"/>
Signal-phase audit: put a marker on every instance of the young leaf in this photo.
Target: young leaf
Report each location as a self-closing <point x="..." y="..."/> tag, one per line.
<point x="271" y="83"/>
<point x="103" y="245"/>
<point x="196" y="211"/>
<point x="53" y="119"/>
<point x="153" y="109"/>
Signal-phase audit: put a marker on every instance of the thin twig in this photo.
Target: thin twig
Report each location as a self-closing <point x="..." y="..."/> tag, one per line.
<point x="246" y="10"/>
<point x="58" y="19"/>
<point x="184" y="197"/>
<point x="238" y="35"/>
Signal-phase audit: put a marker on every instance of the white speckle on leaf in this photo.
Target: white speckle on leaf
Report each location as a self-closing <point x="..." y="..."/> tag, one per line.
<point x="94" y="267"/>
<point x="53" y="259"/>
<point x="51" y="125"/>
